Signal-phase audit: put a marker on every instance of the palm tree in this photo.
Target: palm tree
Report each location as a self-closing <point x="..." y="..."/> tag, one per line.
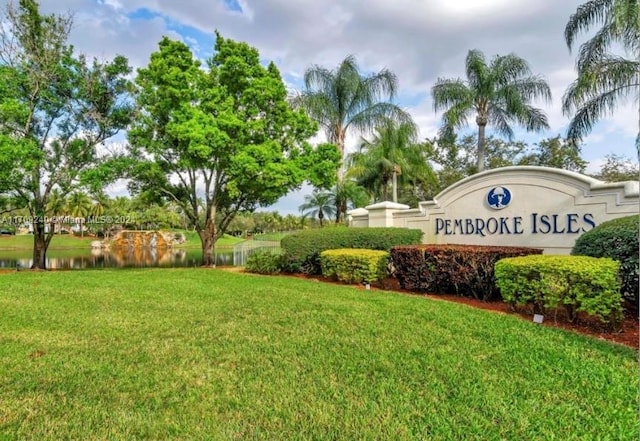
<point x="393" y="155"/>
<point x="604" y="78"/>
<point x="343" y="99"/>
<point x="80" y="207"/>
<point x="498" y="93"/>
<point x="100" y="204"/>
<point x="347" y="194"/>
<point x="56" y="206"/>
<point x="318" y="205"/>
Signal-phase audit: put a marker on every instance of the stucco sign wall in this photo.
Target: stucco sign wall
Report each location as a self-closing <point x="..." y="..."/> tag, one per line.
<point x="516" y="206"/>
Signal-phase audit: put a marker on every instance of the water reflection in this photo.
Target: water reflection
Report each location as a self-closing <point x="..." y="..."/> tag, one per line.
<point x="121" y="258"/>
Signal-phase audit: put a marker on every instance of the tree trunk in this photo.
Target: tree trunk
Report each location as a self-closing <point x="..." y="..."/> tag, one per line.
<point x="394" y="184"/>
<point x="638" y="136"/>
<point x="39" y="246"/>
<point x="339" y="140"/>
<point x="320" y="217"/>
<point x="482" y="124"/>
<point x="208" y="240"/>
<point x="207" y="250"/>
<point x="343" y="210"/>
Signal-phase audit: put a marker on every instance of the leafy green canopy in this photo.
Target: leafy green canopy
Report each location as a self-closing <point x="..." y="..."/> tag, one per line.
<point x="222" y="139"/>
<point x="56" y="108"/>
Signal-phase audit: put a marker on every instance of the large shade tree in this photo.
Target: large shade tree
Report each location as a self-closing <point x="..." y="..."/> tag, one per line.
<point x="608" y="64"/>
<point x="221" y="140"/>
<point x="499" y="93"/>
<point x="557" y="153"/>
<point x="56" y="108"/>
<point x="343" y="100"/>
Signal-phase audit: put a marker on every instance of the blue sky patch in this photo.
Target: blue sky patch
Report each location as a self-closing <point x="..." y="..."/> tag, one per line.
<point x="201" y="43"/>
<point x="232" y="5"/>
<point x="143" y="14"/>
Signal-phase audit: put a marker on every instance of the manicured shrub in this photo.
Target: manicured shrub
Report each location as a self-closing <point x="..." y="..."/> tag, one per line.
<point x="302" y="250"/>
<point x="354" y="265"/>
<point x="465" y="270"/>
<point x="572" y="283"/>
<point x="264" y="262"/>
<point x="617" y="239"/>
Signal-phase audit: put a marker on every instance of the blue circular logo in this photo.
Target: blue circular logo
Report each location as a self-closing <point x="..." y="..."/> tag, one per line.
<point x="498" y="197"/>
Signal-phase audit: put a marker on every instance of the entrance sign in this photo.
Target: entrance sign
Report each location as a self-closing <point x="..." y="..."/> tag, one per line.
<point x="528" y="206"/>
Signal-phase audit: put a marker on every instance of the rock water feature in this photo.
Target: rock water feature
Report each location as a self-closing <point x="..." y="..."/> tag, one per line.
<point x="145" y="248"/>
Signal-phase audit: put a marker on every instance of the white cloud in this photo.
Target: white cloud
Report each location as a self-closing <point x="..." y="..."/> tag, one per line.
<point x="418" y="40"/>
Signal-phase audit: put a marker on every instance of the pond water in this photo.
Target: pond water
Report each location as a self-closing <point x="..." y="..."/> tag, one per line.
<point x="136" y="258"/>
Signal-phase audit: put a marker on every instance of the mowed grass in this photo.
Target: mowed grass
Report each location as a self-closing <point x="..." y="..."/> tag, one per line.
<point x="193" y="240"/>
<point x="207" y="354"/>
<point x="59" y="241"/>
<point x="69" y="241"/>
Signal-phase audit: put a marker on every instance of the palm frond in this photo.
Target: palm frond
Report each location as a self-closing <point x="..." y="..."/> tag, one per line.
<point x="508" y="68"/>
<point x="533" y="87"/>
<point x="319" y="107"/>
<point x="476" y="68"/>
<point x="591" y="111"/>
<point x="457" y="116"/>
<point x="447" y="92"/>
<point x="499" y="119"/>
<point x="377" y="114"/>
<point x="596" y="47"/>
<point x="588" y="14"/>
<point x="610" y="73"/>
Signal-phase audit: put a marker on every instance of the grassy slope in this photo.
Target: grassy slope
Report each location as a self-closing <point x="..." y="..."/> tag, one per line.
<point x="66" y="241"/>
<point x="63" y="241"/>
<point x="202" y="354"/>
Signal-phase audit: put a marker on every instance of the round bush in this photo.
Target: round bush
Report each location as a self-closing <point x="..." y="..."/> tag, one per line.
<point x="302" y="250"/>
<point x="264" y="262"/>
<point x="617" y="239"/>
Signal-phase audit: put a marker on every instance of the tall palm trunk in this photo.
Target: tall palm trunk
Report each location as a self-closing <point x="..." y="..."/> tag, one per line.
<point x="338" y="138"/>
<point x="482" y="124"/>
<point x="394" y="182"/>
<point x="638" y="136"/>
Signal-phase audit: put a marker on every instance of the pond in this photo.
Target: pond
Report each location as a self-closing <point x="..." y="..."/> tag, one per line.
<point x="135" y="258"/>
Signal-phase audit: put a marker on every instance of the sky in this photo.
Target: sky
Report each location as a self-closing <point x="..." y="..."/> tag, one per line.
<point x="419" y="40"/>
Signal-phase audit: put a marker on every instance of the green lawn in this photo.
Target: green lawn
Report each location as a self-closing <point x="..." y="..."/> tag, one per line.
<point x="59" y="241"/>
<point x="68" y="241"/>
<point x="205" y="354"/>
<point x="271" y="237"/>
<point x="193" y="240"/>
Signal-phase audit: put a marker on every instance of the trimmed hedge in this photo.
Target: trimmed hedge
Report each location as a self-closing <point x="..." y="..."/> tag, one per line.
<point x="301" y="251"/>
<point x="354" y="265"/>
<point x="618" y="240"/>
<point x="573" y="283"/>
<point x="465" y="270"/>
<point x="264" y="262"/>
